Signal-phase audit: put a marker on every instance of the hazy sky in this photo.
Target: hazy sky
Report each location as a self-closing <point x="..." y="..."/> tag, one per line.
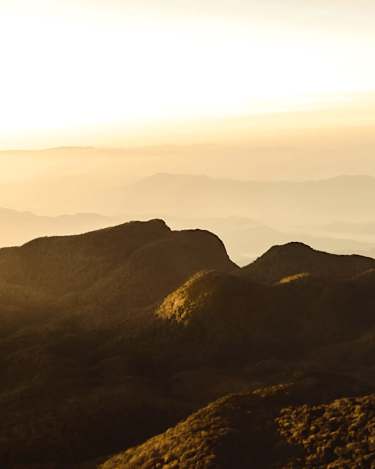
<point x="118" y="72"/>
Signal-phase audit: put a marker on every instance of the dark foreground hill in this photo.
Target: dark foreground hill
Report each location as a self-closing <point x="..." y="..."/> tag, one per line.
<point x="111" y="337"/>
<point x="291" y="426"/>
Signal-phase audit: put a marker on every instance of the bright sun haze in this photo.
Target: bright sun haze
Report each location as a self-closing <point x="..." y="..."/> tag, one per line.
<point x="116" y="72"/>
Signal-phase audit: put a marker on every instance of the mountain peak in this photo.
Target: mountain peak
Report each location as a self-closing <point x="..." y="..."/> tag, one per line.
<point x="293" y="246"/>
<point x="294" y="259"/>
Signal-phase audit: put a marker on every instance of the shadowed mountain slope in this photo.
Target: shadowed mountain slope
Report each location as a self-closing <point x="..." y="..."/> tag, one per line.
<point x="297" y="258"/>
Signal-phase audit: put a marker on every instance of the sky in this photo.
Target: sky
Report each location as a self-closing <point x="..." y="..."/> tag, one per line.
<point x="119" y="73"/>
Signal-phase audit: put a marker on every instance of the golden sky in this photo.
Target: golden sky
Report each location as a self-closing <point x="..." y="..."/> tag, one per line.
<point x="118" y="72"/>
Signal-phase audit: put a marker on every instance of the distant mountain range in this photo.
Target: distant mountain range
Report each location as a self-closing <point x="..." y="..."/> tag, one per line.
<point x="333" y="215"/>
<point x="19" y="227"/>
<point x="347" y="198"/>
<point x="110" y="337"/>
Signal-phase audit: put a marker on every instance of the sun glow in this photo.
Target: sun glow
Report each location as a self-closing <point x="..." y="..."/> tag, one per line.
<point x="68" y="69"/>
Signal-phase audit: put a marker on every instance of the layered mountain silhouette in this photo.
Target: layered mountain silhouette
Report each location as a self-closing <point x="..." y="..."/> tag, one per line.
<point x="111" y="337"/>
<point x="333" y="214"/>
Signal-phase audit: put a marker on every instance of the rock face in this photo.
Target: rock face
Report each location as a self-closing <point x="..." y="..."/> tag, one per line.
<point x="266" y="428"/>
<point x="295" y="259"/>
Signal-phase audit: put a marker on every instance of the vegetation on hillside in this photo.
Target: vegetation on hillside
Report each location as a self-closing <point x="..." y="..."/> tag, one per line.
<point x="111" y="337"/>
